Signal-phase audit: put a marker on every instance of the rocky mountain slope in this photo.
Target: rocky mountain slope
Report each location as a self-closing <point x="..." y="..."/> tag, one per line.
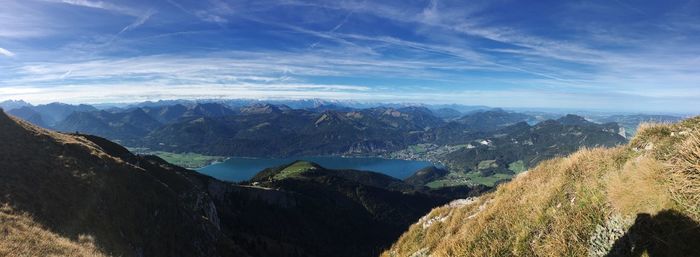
<point x="640" y="199"/>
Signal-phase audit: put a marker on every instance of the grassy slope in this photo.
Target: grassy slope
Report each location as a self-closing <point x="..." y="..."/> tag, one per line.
<point x="188" y="160"/>
<point x="471" y="178"/>
<point x="21" y="236"/>
<point x="597" y="202"/>
<point x="295" y="169"/>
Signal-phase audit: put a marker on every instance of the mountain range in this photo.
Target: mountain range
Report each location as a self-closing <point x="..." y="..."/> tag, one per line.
<point x="491" y="143"/>
<point x="532" y="144"/>
<point x="491" y="156"/>
<point x="49" y="115"/>
<point x="271" y="130"/>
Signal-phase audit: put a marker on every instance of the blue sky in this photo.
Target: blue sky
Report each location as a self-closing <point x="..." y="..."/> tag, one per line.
<point x="613" y="54"/>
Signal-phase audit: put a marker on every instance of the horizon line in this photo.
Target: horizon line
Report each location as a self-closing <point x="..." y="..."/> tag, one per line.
<point x="378" y="103"/>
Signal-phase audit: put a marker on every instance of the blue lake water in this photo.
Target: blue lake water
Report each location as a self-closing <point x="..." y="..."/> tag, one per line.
<point x="238" y="169"/>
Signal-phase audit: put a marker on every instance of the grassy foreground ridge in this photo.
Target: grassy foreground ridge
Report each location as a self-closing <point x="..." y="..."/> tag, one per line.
<point x="23" y="236"/>
<point x="642" y="199"/>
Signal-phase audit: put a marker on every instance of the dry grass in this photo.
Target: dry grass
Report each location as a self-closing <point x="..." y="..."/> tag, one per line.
<point x="21" y="236"/>
<point x="557" y="208"/>
<point x="685" y="176"/>
<point x="542" y="213"/>
<point x="678" y="147"/>
<point x="642" y="186"/>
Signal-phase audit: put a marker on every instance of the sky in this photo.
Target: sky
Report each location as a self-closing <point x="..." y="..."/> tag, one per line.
<point x="612" y="55"/>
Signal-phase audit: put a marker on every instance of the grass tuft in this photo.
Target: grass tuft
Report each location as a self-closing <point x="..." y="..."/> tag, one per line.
<point x="685" y="175"/>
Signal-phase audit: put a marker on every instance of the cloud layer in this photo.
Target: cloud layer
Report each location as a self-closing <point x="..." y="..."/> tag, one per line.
<point x="6" y="52"/>
<point x="597" y="55"/>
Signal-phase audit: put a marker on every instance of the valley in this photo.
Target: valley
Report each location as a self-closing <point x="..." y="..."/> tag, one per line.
<point x="185" y="160"/>
<point x="196" y="134"/>
<point x="117" y="203"/>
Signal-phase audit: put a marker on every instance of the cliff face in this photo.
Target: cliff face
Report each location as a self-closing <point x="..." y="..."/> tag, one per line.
<point x="641" y="198"/>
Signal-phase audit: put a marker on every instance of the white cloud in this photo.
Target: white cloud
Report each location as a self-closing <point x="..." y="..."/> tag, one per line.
<point x="227" y="67"/>
<point x="215" y="13"/>
<point x="140" y="20"/>
<point x="430" y="13"/>
<point x="125" y="92"/>
<point x="99" y="5"/>
<point x="269" y="69"/>
<point x="6" y="52"/>
<point x="210" y="17"/>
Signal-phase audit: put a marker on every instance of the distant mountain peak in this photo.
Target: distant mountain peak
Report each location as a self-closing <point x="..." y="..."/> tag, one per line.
<point x="392" y="112"/>
<point x="13" y="104"/>
<point x="328" y="117"/>
<point x="209" y="110"/>
<point x="422" y="109"/>
<point x="573" y="120"/>
<point x="260" y="108"/>
<point x="492" y="119"/>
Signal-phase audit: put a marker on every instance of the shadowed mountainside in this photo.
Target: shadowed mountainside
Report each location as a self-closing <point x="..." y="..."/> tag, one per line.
<point x="75" y="187"/>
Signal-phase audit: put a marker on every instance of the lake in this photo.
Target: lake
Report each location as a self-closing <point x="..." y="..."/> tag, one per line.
<point x="237" y="169"/>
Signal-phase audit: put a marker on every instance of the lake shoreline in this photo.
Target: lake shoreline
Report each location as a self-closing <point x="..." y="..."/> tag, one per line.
<point x="236" y="169"/>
